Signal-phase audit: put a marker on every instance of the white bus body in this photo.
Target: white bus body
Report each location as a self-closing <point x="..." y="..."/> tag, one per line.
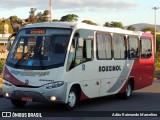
<point x="96" y="61"/>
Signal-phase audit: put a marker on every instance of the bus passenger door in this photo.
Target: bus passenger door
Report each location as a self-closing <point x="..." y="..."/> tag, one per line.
<point x="84" y="67"/>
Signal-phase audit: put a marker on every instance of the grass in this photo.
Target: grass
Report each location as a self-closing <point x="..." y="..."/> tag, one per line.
<point x="157" y="74"/>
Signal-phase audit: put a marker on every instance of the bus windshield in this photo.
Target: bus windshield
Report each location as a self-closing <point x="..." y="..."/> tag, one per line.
<point x="39" y="48"/>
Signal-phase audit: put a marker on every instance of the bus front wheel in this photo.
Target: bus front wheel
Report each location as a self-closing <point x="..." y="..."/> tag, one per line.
<point x="72" y="99"/>
<point x="18" y="103"/>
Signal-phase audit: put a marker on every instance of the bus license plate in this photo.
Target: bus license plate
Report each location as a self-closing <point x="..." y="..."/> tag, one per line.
<point x="27" y="99"/>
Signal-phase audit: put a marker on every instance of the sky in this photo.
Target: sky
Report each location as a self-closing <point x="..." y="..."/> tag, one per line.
<point x="99" y="11"/>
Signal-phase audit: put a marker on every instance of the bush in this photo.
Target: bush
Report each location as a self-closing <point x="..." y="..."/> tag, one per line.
<point x="1" y="65"/>
<point x="158" y="60"/>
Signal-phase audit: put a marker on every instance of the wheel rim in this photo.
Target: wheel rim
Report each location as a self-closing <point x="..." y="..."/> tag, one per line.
<point x="128" y="90"/>
<point x="72" y="99"/>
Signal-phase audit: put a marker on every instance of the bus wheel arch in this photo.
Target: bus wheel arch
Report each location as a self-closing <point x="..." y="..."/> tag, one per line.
<point x="131" y="80"/>
<point x="128" y="89"/>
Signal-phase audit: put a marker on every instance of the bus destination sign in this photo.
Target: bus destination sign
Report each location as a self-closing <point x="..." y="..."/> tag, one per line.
<point x="38" y="31"/>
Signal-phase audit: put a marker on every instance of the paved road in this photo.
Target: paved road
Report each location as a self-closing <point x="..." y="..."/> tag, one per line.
<point x="147" y="99"/>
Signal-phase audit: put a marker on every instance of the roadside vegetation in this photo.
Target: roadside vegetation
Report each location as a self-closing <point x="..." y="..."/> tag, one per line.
<point x="1" y="68"/>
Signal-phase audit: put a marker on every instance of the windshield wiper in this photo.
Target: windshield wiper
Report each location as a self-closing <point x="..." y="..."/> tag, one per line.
<point x="22" y="58"/>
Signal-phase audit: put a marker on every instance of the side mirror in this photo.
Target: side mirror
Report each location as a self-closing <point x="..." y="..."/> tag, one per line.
<point x="8" y="46"/>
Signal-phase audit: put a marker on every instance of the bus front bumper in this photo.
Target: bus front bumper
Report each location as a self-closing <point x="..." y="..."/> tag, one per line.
<point x="40" y="94"/>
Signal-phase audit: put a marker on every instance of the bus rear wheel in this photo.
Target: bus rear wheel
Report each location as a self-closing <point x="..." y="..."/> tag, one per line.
<point x="128" y="92"/>
<point x="72" y="99"/>
<point x="18" y="103"/>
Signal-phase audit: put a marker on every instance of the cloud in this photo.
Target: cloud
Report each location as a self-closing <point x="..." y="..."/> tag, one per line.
<point x="70" y="5"/>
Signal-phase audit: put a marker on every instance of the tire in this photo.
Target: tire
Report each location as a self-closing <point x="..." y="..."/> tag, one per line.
<point x="18" y="103"/>
<point x="72" y="100"/>
<point x="128" y="92"/>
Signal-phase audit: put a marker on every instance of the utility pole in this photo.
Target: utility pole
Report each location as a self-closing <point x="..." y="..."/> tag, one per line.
<point x="155" y="8"/>
<point x="50" y="10"/>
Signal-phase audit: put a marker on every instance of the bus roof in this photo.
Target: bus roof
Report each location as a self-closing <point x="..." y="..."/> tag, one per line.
<point x="53" y="24"/>
<point x="78" y="25"/>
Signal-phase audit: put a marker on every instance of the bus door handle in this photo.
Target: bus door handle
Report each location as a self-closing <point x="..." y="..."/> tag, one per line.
<point x="97" y="83"/>
<point x="86" y="85"/>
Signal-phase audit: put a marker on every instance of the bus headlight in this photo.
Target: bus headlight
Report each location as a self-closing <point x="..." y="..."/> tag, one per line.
<point x="7" y="83"/>
<point x="54" y="85"/>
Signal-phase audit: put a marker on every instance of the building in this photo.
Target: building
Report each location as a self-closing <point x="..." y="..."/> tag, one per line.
<point x="3" y="42"/>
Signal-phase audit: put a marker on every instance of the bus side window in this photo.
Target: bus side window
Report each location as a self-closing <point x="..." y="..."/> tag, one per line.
<point x="119" y="46"/>
<point x="133" y="47"/>
<point x="89" y="49"/>
<point x="84" y="51"/>
<point x="146" y="48"/>
<point x="104" y="46"/>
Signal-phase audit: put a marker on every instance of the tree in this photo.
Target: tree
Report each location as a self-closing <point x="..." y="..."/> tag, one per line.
<point x="6" y="21"/>
<point x="42" y="17"/>
<point x="55" y="20"/>
<point x="13" y="19"/>
<point x="39" y="14"/>
<point x="158" y="53"/>
<point x="39" y="17"/>
<point x="107" y="24"/>
<point x="46" y="13"/>
<point x="114" y="24"/>
<point x="69" y="18"/>
<point x="117" y="24"/>
<point x="32" y="12"/>
<point x="151" y="29"/>
<point x="46" y="16"/>
<point x="16" y="23"/>
<point x="10" y="26"/>
<point x="89" y="22"/>
<point x="158" y="43"/>
<point x="32" y="18"/>
<point x="131" y="28"/>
